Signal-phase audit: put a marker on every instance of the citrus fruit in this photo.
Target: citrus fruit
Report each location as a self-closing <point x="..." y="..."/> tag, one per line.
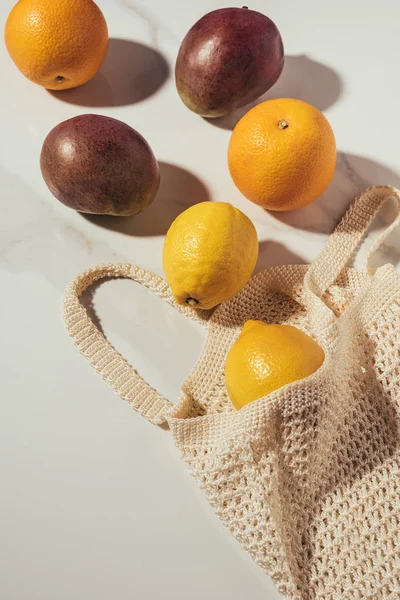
<point x="58" y="44"/>
<point x="267" y="357"/>
<point x="282" y="154"/>
<point x="210" y="252"/>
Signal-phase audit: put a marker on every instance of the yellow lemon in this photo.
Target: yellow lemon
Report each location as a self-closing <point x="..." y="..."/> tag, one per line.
<point x="210" y="252"/>
<point x="267" y="357"/>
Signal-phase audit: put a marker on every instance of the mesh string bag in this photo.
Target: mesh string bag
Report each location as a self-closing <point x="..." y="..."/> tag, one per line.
<point x="307" y="479"/>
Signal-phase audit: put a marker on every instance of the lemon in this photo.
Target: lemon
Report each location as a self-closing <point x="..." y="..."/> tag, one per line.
<point x="267" y="357"/>
<point x="210" y="252"/>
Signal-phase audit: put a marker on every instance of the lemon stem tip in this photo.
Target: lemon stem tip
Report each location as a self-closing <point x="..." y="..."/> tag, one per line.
<point x="282" y="124"/>
<point x="192" y="301"/>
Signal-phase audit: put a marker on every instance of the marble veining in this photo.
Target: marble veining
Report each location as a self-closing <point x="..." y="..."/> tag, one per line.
<point x="95" y="503"/>
<point x="157" y="31"/>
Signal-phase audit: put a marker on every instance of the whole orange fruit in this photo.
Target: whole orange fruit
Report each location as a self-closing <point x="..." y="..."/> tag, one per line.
<point x="282" y="154"/>
<point x="58" y="44"/>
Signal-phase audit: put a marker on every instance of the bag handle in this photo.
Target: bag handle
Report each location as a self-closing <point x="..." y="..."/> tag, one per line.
<point x="109" y="363"/>
<point x="347" y="237"/>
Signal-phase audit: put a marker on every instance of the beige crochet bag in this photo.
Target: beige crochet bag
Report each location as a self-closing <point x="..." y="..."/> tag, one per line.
<point x="308" y="478"/>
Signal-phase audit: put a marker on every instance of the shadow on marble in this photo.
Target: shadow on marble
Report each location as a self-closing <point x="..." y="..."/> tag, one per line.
<point x="352" y="176"/>
<point x="131" y="73"/>
<point x="272" y="254"/>
<point x="302" y="78"/>
<point x="179" y="189"/>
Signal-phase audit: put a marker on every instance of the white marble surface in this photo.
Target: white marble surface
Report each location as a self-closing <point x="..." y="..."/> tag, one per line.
<point x="95" y="502"/>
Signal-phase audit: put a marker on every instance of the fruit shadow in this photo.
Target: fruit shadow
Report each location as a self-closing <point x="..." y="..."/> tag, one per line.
<point x="352" y="176"/>
<point x="178" y="190"/>
<point x="302" y="78"/>
<point x="131" y="73"/>
<point x="273" y="254"/>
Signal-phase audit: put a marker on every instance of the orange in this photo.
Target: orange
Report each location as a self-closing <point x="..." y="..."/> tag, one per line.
<point x="282" y="154"/>
<point x="58" y="44"/>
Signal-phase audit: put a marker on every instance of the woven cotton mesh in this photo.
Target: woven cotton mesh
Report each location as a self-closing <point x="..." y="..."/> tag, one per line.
<point x="308" y="478"/>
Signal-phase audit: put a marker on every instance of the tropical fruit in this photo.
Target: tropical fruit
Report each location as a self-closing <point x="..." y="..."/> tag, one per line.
<point x="228" y="58"/>
<point x="99" y="165"/>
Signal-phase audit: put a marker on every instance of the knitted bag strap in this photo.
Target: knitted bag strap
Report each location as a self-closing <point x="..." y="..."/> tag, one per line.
<point x="112" y="367"/>
<point x="347" y="237"/>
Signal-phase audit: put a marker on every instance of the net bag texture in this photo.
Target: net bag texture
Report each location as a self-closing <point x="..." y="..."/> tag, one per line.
<point x="307" y="479"/>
